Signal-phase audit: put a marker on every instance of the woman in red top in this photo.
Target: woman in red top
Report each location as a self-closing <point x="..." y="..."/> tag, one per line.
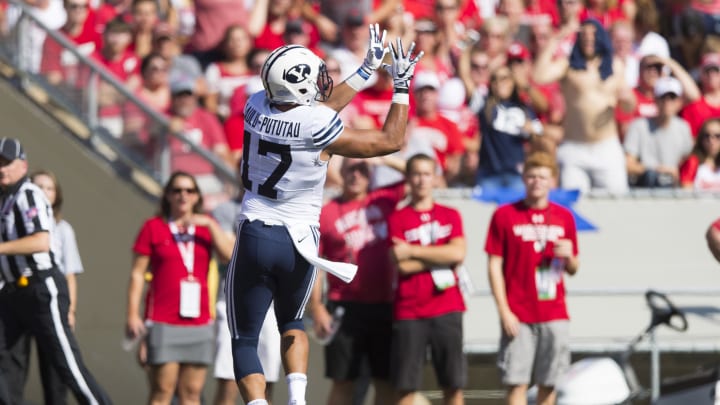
<point x="176" y="245"/>
<point x="701" y="170"/>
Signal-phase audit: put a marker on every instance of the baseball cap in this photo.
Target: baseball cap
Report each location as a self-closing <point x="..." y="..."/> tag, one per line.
<point x="354" y="18"/>
<point x="182" y="84"/>
<point x="710" y="60"/>
<point x="11" y="149"/>
<point x="426" y="79"/>
<point x="666" y="85"/>
<point x="518" y="51"/>
<point x="294" y="26"/>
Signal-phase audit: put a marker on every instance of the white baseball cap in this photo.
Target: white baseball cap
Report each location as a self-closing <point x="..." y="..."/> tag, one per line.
<point x="426" y="79"/>
<point x="667" y="84"/>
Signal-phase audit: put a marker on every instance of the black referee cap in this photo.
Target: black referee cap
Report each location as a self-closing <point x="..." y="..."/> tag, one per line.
<point x="11" y="149"/>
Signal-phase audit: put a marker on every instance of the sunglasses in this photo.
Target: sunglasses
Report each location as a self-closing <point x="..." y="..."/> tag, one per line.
<point x="669" y="96"/>
<point x="179" y="190"/>
<point x="711" y="136"/>
<point x="478" y="66"/>
<point x="500" y="78"/>
<point x="655" y="66"/>
<point x="77" y="6"/>
<point x="441" y="7"/>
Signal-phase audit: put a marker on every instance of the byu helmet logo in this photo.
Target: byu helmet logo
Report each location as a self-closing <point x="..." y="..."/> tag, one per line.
<point x="297" y="73"/>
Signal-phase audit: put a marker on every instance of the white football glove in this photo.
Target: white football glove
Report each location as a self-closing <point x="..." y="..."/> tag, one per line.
<point x="376" y="50"/>
<point x="403" y="66"/>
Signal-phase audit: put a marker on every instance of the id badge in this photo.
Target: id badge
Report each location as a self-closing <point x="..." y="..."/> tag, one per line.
<point x="443" y="278"/>
<point x="546" y="281"/>
<point x="189" y="298"/>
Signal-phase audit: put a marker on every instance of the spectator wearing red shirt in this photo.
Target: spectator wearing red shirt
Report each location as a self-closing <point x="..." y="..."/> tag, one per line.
<point x="111" y="9"/>
<point x="701" y="171"/>
<point x="120" y="61"/>
<point x="431" y="127"/>
<point x="59" y="65"/>
<point x="229" y="73"/>
<point x="606" y="13"/>
<point x="709" y="105"/>
<point x="428" y="244"/>
<point x="353" y="229"/>
<point x="268" y="23"/>
<point x="201" y="128"/>
<point x="116" y="54"/>
<point x="177" y="245"/>
<point x="530" y="244"/>
<point x="437" y="57"/>
<point x="144" y="20"/>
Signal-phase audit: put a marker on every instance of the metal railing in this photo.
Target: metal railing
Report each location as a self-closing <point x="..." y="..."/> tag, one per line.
<point x="115" y="116"/>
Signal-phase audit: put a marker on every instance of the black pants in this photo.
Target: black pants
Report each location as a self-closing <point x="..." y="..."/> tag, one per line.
<point x="41" y="310"/>
<point x="16" y="371"/>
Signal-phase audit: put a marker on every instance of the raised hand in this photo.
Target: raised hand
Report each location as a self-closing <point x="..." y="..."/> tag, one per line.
<point x="403" y="66"/>
<point x="376" y="49"/>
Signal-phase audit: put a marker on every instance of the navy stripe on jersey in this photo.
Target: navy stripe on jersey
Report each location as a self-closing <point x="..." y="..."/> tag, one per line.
<point x="329" y="133"/>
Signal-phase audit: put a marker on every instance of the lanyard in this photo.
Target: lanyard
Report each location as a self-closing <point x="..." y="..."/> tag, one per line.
<point x="186" y="245"/>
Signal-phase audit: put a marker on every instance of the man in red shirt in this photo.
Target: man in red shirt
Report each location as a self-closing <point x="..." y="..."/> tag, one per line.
<point x="58" y="64"/>
<point x="530" y="244"/>
<point x="430" y="126"/>
<point x="709" y="105"/>
<point x="428" y="243"/>
<point x="204" y="130"/>
<point x="354" y="229"/>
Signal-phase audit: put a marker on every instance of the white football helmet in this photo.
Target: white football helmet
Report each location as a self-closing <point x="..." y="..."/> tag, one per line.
<point x="293" y="74"/>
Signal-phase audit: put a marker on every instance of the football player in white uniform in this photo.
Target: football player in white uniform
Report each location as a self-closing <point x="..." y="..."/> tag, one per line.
<point x="292" y="129"/>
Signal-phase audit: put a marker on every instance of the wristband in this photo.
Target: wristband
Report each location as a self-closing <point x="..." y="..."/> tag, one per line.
<point x="357" y="80"/>
<point x="401" y="97"/>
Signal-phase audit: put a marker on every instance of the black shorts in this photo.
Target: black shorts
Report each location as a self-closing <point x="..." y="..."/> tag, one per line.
<point x="365" y="335"/>
<point x="411" y="339"/>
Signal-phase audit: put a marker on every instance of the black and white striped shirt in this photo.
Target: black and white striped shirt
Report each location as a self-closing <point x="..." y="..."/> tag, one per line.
<point x="24" y="210"/>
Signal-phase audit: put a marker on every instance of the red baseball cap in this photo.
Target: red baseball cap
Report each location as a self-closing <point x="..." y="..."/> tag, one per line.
<point x="518" y="51"/>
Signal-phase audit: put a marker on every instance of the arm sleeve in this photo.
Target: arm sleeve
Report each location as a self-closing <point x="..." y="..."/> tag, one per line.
<point x="494" y="242"/>
<point x="35" y="211"/>
<point x="143" y="241"/>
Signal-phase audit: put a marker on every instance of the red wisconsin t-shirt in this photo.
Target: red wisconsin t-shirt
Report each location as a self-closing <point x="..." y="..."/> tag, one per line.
<point x="416" y="296"/>
<point x="356" y="232"/>
<point x="162" y="303"/>
<point x="514" y="231"/>
<point x="697" y="112"/>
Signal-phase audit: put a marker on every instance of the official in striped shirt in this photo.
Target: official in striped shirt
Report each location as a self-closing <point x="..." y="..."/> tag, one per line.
<point x="33" y="292"/>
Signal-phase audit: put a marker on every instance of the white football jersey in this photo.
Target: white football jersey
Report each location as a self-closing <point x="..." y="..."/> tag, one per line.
<point x="282" y="172"/>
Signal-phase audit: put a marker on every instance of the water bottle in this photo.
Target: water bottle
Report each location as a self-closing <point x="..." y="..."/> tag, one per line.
<point x="130" y="343"/>
<point x="334" y="327"/>
<point x="557" y="265"/>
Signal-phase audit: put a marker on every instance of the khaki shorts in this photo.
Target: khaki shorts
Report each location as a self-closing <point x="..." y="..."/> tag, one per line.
<point x="540" y="352"/>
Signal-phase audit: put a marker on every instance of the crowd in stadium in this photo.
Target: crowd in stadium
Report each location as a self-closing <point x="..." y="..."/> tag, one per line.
<point x="491" y="88"/>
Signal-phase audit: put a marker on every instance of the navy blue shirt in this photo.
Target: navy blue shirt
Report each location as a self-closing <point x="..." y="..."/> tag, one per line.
<point x="502" y="150"/>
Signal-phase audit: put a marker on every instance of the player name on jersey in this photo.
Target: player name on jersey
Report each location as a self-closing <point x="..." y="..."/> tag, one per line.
<point x="271" y="126"/>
